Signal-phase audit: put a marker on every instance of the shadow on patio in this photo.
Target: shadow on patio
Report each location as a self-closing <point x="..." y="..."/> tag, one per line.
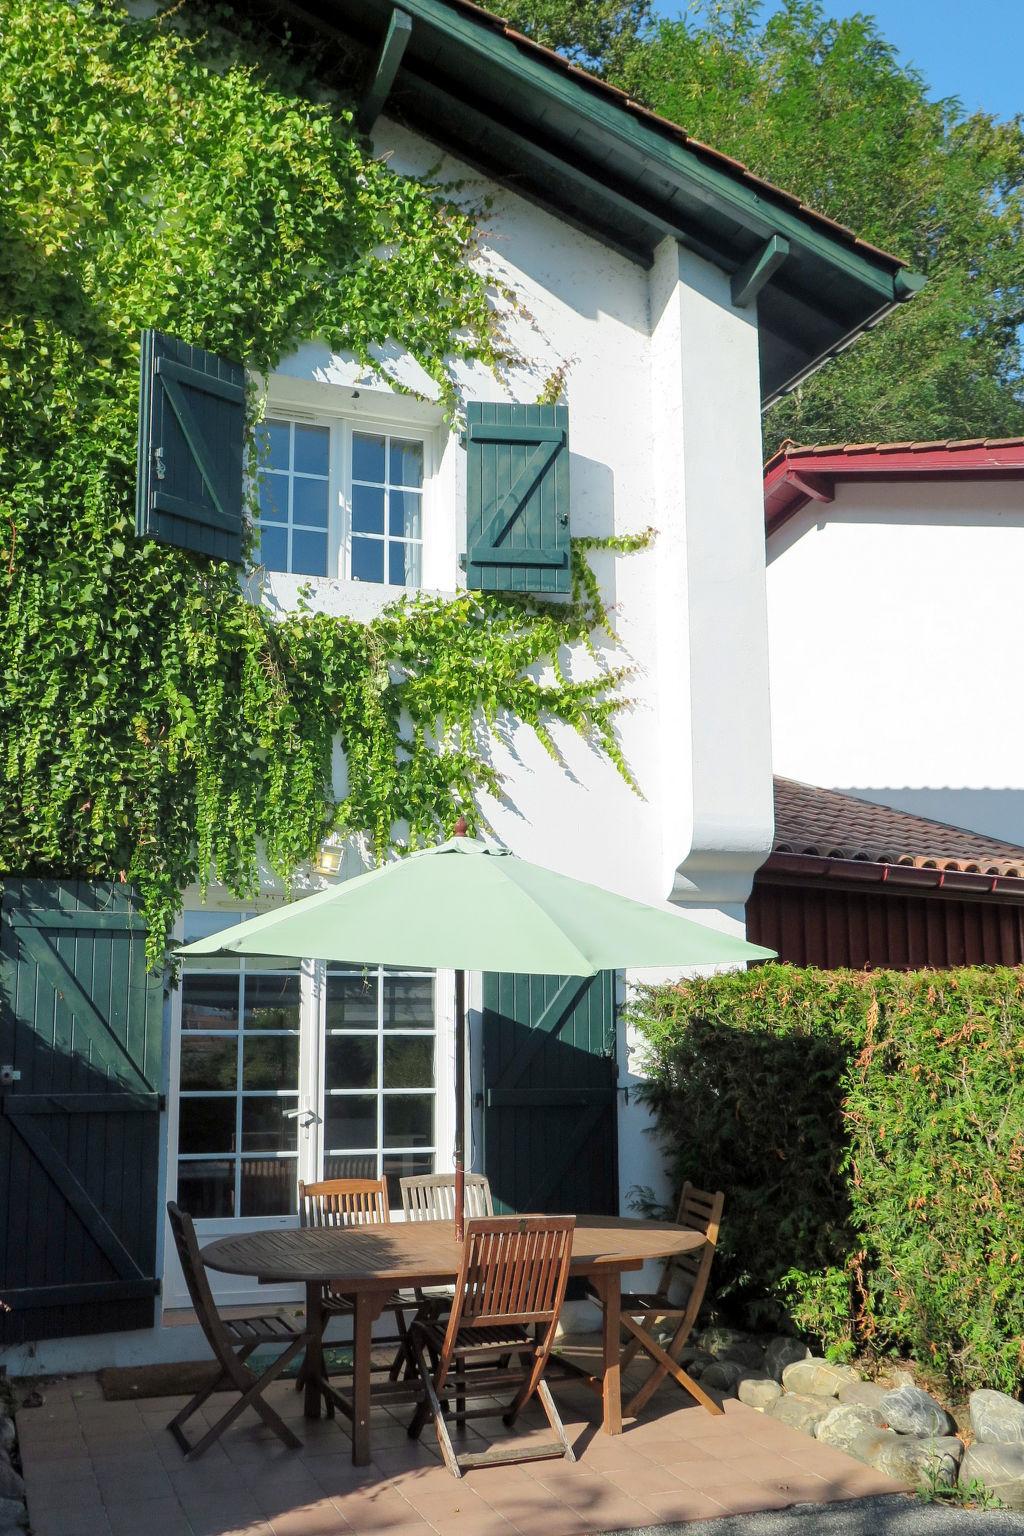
<point x="96" y="1468"/>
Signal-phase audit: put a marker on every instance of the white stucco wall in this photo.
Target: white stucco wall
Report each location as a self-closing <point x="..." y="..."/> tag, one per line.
<point x="896" y="630"/>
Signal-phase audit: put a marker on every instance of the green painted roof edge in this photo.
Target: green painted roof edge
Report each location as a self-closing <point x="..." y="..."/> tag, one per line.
<point x="886" y="274"/>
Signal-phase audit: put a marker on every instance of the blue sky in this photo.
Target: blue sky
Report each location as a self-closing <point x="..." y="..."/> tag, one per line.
<point x="973" y="49"/>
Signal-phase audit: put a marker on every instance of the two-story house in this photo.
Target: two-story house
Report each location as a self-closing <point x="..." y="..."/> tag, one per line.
<point x="678" y="294"/>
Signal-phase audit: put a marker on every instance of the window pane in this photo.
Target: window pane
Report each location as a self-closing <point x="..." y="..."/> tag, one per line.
<point x="272" y="1002"/>
<point x="309" y="502"/>
<point x="406" y="462"/>
<point x="404" y="509"/>
<point x="352" y="1062"/>
<point x="311" y="449"/>
<point x="201" y="922"/>
<point x="265" y="1127"/>
<point x="404" y="565"/>
<point x="367" y="457"/>
<point x="270" y="1061"/>
<point x="408" y="1002"/>
<point x="209" y="1061"/>
<point x="350" y="1120"/>
<point x="367" y="509"/>
<point x="209" y="1002"/>
<point x="367" y="560"/>
<point x="272" y="440"/>
<point x="269" y="1186"/>
<point x="409" y="1121"/>
<point x="409" y="1062"/>
<point x="207" y="1188"/>
<point x="354" y="1165"/>
<point x="206" y="1125"/>
<point x="273" y="549"/>
<point x="309" y="554"/>
<point x="351" y="1001"/>
<point x="401" y="1165"/>
<point x="274" y="498"/>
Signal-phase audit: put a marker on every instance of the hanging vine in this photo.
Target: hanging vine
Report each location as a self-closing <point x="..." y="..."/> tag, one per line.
<point x="156" y="724"/>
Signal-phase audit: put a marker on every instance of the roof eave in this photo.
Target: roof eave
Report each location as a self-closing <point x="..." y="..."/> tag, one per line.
<point x="802" y="869"/>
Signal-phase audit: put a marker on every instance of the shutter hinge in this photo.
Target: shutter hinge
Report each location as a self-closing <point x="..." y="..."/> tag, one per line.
<point x="158" y="460"/>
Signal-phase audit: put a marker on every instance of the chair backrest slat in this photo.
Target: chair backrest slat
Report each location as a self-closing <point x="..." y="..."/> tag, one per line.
<point x="344" y="1203"/>
<point x="514" y="1270"/>
<point x="200" y="1294"/>
<point x="699" y="1210"/>
<point x="431" y="1196"/>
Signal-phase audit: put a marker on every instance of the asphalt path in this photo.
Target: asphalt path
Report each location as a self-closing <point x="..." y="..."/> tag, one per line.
<point x="889" y="1515"/>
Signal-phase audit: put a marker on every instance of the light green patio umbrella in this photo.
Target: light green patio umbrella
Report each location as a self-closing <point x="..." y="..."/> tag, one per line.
<point x="465" y="906"/>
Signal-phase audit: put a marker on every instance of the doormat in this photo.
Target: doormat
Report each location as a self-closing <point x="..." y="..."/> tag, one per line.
<point x="184" y="1378"/>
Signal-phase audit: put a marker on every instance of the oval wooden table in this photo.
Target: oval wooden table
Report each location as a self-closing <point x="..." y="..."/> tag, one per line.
<point x="369" y="1263"/>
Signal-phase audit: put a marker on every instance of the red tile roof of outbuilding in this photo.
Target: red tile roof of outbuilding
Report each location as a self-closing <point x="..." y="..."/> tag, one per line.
<point x="794" y="477"/>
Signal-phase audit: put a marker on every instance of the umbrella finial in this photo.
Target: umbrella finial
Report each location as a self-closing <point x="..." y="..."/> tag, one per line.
<point x="460" y="827"/>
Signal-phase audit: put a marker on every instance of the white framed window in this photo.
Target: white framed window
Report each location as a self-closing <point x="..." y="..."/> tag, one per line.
<point x="379" y="1074"/>
<point x="343" y="496"/>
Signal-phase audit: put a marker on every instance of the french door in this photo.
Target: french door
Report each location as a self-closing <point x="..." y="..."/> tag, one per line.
<point x="289" y="1070"/>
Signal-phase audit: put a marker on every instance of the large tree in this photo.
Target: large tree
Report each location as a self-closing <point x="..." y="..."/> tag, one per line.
<point x="598" y="34"/>
<point x="825" y="109"/>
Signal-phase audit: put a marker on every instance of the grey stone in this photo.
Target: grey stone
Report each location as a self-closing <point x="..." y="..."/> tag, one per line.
<point x="818" y="1376"/>
<point x="1000" y="1468"/>
<point x="745" y="1352"/>
<point x="11" y="1485"/>
<point x="801" y="1410"/>
<point x="719" y="1341"/>
<point x="8" y="1435"/>
<point x="758" y="1392"/>
<point x="13" y="1516"/>
<point x="721" y="1375"/>
<point x="911" y="1410"/>
<point x="782" y="1351"/>
<point x="997" y="1418"/>
<point x="863" y="1394"/>
<point x="845" y="1422"/>
<point x="914" y="1459"/>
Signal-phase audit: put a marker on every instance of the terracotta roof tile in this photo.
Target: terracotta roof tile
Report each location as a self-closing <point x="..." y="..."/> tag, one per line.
<point x="828" y="824"/>
<point x="937" y="445"/>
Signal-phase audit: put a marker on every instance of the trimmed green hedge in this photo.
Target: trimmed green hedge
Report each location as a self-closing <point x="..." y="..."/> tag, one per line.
<point x="868" y="1129"/>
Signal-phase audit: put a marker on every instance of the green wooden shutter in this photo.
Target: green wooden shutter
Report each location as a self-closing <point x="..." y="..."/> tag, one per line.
<point x="81" y="1023"/>
<point x="517" y="498"/>
<point x="191" y="438"/>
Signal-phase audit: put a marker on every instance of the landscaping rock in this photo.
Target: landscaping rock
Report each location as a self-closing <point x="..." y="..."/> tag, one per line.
<point x="914" y="1459"/>
<point x="911" y="1410"/>
<point x="8" y="1437"/>
<point x="11" y="1485"/>
<point x="758" y="1392"/>
<point x="782" y="1351"/>
<point x="845" y="1422"/>
<point x="693" y="1359"/>
<point x="722" y="1375"/>
<point x="863" y="1394"/>
<point x="1000" y="1468"/>
<point x="801" y="1410"/>
<point x="13" y="1516"/>
<point x="997" y="1418"/>
<point x="721" y="1342"/>
<point x="817" y="1376"/>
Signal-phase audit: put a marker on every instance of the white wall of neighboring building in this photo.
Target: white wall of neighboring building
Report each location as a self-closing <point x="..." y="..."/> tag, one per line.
<point x="896" y="630"/>
<point x="664" y="428"/>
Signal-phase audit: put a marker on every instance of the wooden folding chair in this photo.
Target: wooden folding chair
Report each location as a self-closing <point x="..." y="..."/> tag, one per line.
<point x="232" y="1344"/>
<point x="508" y="1295"/>
<point x="352" y="1203"/>
<point x="431" y="1196"/>
<point x="699" y="1211"/>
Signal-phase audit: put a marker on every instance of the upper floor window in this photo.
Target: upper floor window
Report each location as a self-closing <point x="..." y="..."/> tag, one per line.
<point x="341" y="500"/>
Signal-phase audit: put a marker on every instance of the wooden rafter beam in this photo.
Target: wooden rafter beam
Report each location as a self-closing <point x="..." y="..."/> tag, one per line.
<point x="377" y="91"/>
<point x="752" y="276"/>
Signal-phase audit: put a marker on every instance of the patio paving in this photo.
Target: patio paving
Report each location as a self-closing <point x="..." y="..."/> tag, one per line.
<point x="96" y="1468"/>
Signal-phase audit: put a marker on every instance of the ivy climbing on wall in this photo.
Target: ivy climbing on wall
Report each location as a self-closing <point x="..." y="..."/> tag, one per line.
<point x="156" y="724"/>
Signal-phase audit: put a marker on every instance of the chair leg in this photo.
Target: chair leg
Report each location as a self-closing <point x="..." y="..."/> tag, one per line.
<point x="460" y="1392"/>
<point x="547" y="1402"/>
<point x="664" y="1365"/>
<point x="402" y="1356"/>
<point x="248" y="1398"/>
<point x="429" y="1406"/>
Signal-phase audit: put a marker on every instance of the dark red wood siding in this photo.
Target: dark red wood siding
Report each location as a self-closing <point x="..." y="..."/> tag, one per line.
<point x="817" y="924"/>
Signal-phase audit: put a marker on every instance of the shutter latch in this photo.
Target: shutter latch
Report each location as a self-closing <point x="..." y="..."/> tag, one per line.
<point x="158" y="460"/>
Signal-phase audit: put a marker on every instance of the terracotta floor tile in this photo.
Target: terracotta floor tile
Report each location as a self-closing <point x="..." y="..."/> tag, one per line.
<point x="199" y="1479"/>
<point x="740" y="1497"/>
<point x="683" y="1504"/>
<point x="132" y="1487"/>
<point x="277" y="1492"/>
<point x="406" y="1458"/>
<point x="437" y="1503"/>
<point x="71" y="1523"/>
<point x="72" y="1493"/>
<point x="641" y="1478"/>
<point x="677" y="1454"/>
<point x="317" y="1518"/>
<point x="490" y="1523"/>
<point x="150" y="1517"/>
<point x="207" y="1512"/>
<point x="336" y="1475"/>
<point x="375" y="1510"/>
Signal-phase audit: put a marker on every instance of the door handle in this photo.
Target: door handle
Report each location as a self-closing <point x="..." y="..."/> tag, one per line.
<point x="310" y="1117"/>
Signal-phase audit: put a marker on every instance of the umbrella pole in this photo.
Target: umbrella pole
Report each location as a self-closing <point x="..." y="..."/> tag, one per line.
<point x="460" y="1106"/>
